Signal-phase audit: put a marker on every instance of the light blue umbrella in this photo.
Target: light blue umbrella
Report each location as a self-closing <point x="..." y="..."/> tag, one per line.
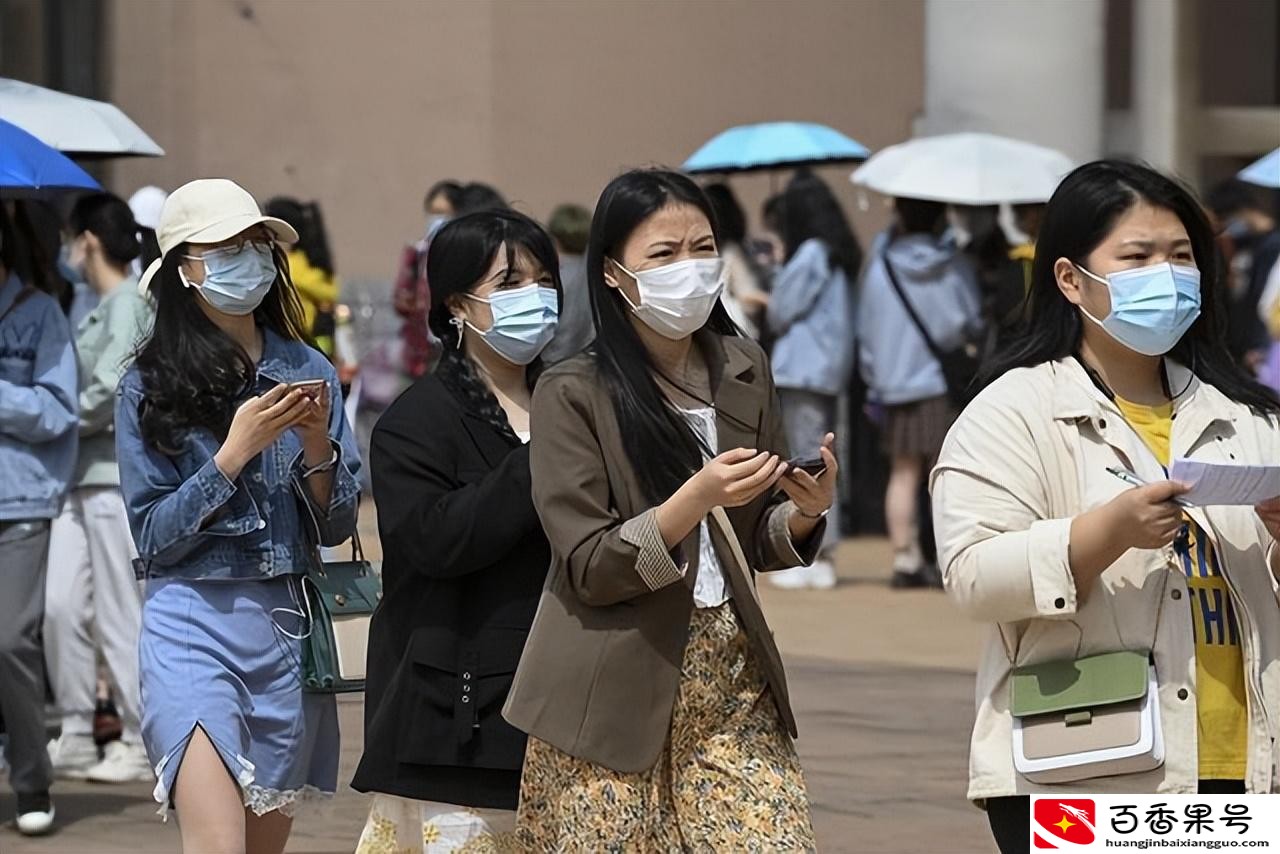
<point x="1264" y="172"/>
<point x="27" y="164"/>
<point x="774" y="145"/>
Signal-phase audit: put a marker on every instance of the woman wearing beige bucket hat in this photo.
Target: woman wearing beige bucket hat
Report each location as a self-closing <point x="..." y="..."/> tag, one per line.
<point x="234" y="466"/>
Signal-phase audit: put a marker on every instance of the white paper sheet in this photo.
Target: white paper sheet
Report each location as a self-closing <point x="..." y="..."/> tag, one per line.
<point x="1218" y="483"/>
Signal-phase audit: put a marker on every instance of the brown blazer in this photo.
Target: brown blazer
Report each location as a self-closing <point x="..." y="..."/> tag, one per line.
<point x="599" y="674"/>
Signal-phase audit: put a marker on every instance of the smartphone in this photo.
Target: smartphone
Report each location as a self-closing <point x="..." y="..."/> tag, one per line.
<point x="813" y="466"/>
<point x="313" y="389"/>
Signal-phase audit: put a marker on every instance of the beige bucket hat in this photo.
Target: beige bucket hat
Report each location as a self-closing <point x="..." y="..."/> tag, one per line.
<point x="209" y="210"/>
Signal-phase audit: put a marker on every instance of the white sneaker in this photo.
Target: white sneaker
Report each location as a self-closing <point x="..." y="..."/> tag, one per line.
<point x="123" y="763"/>
<point x="72" y="756"/>
<point x="37" y="823"/>
<point x="822" y="575"/>
<point x="796" y="578"/>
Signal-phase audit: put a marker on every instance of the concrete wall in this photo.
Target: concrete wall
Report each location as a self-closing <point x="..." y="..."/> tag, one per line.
<point x="363" y="103"/>
<point x="1030" y="69"/>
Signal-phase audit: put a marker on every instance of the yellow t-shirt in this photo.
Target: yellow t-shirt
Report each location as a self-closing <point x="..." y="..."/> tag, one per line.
<point x="1220" y="682"/>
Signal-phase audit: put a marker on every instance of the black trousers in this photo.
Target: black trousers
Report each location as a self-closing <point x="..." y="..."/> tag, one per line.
<point x="1010" y="818"/>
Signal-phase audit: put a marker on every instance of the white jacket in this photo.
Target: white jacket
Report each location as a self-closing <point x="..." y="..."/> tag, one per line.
<point x="1026" y="457"/>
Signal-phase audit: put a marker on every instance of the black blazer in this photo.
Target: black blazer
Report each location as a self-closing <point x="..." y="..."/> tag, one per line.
<point x="464" y="561"/>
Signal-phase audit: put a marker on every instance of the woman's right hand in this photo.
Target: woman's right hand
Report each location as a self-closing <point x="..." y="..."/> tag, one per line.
<point x="1146" y="517"/>
<point x="736" y="477"/>
<point x="258" y="422"/>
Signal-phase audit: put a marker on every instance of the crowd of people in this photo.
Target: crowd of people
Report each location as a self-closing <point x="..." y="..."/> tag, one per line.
<point x="603" y="430"/>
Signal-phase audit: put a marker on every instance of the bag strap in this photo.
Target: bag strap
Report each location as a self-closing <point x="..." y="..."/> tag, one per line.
<point x="911" y="309"/>
<point x="357" y="550"/>
<point x="21" y="297"/>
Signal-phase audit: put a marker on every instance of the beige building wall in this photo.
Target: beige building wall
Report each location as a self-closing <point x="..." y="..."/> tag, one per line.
<point x="361" y="104"/>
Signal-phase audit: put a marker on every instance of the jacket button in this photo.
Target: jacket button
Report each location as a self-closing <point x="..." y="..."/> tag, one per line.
<point x="466" y="699"/>
<point x="466" y="676"/>
<point x="1059" y="602"/>
<point x="466" y="689"/>
<point x="1177" y="594"/>
<point x="262" y="523"/>
<point x="1102" y="424"/>
<point x="1182" y="694"/>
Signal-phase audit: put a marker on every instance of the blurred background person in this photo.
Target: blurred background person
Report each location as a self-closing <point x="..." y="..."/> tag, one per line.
<point x="465" y="555"/>
<point x="744" y="296"/>
<point x="570" y="226"/>
<point x="146" y="203"/>
<point x="410" y="295"/>
<point x="93" y="601"/>
<point x="310" y="268"/>
<point x="901" y="372"/>
<point x="1001" y="277"/>
<point x="38" y="417"/>
<point x="1250" y="245"/>
<point x="811" y="311"/>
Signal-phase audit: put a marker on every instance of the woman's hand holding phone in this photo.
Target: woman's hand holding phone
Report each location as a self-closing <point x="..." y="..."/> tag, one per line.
<point x="811" y="495"/>
<point x="257" y="423"/>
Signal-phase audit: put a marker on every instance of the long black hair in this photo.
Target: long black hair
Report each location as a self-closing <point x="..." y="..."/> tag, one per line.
<point x="808" y="210"/>
<point x="459" y="256"/>
<point x="307" y="220"/>
<point x="1083" y="211"/>
<point x="660" y="443"/>
<point x="731" y="222"/>
<point x="193" y="373"/>
<point x="109" y="219"/>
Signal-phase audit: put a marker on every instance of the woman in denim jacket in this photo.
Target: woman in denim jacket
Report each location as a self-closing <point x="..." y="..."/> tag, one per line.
<point x="234" y="467"/>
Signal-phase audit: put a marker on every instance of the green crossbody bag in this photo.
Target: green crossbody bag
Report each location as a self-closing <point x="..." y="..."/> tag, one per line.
<point x="341" y="597"/>
<point x="1081" y="718"/>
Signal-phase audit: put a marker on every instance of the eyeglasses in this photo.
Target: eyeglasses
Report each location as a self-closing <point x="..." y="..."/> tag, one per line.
<point x="235" y="247"/>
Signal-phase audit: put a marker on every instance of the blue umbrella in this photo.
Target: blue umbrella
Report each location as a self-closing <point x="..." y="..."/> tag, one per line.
<point x="1264" y="172"/>
<point x="26" y="163"/>
<point x="775" y="145"/>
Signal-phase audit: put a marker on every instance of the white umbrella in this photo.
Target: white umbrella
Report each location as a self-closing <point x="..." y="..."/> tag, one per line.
<point x="965" y="169"/>
<point x="72" y="124"/>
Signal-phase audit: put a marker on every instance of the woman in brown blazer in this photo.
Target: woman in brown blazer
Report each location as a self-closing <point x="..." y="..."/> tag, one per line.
<point x="650" y="685"/>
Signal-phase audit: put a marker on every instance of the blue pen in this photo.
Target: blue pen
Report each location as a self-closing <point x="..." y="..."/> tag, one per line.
<point x="1133" y="480"/>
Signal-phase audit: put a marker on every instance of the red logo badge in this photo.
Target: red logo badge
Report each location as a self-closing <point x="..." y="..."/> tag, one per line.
<point x="1071" y="821"/>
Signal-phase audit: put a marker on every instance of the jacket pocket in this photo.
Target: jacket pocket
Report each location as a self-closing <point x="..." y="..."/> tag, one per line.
<point x="451" y="689"/>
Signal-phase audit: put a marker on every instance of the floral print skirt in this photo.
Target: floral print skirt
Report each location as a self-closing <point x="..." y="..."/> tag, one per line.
<point x="727" y="780"/>
<point x="404" y="826"/>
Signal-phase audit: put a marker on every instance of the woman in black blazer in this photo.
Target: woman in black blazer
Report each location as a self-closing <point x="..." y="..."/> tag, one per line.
<point x="464" y="554"/>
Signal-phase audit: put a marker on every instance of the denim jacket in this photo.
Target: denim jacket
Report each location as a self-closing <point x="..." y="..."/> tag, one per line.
<point x="189" y="521"/>
<point x="37" y="404"/>
<point x="812" y="313"/>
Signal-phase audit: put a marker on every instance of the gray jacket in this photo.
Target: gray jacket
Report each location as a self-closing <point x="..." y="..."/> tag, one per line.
<point x="894" y="359"/>
<point x="105" y="341"/>
<point x="811" y="311"/>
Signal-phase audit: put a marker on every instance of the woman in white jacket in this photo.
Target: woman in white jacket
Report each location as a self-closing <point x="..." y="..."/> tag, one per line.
<point x="1123" y="366"/>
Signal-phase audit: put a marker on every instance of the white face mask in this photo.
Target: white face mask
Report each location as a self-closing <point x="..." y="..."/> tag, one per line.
<point x="676" y="300"/>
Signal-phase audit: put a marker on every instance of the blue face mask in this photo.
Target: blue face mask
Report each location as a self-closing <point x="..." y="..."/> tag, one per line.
<point x="524" y="322"/>
<point x="66" y="269"/>
<point x="236" y="280"/>
<point x="1151" y="307"/>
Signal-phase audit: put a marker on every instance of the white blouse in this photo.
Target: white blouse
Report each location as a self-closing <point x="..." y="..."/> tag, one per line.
<point x="710" y="588"/>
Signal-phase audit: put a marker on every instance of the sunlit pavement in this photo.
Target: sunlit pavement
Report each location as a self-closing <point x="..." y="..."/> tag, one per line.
<point x="883" y="688"/>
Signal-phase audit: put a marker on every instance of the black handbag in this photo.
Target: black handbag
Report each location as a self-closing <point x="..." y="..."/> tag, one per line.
<point x="959" y="364"/>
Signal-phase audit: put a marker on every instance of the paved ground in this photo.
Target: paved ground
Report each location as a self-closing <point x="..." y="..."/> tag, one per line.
<point x="882" y="683"/>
